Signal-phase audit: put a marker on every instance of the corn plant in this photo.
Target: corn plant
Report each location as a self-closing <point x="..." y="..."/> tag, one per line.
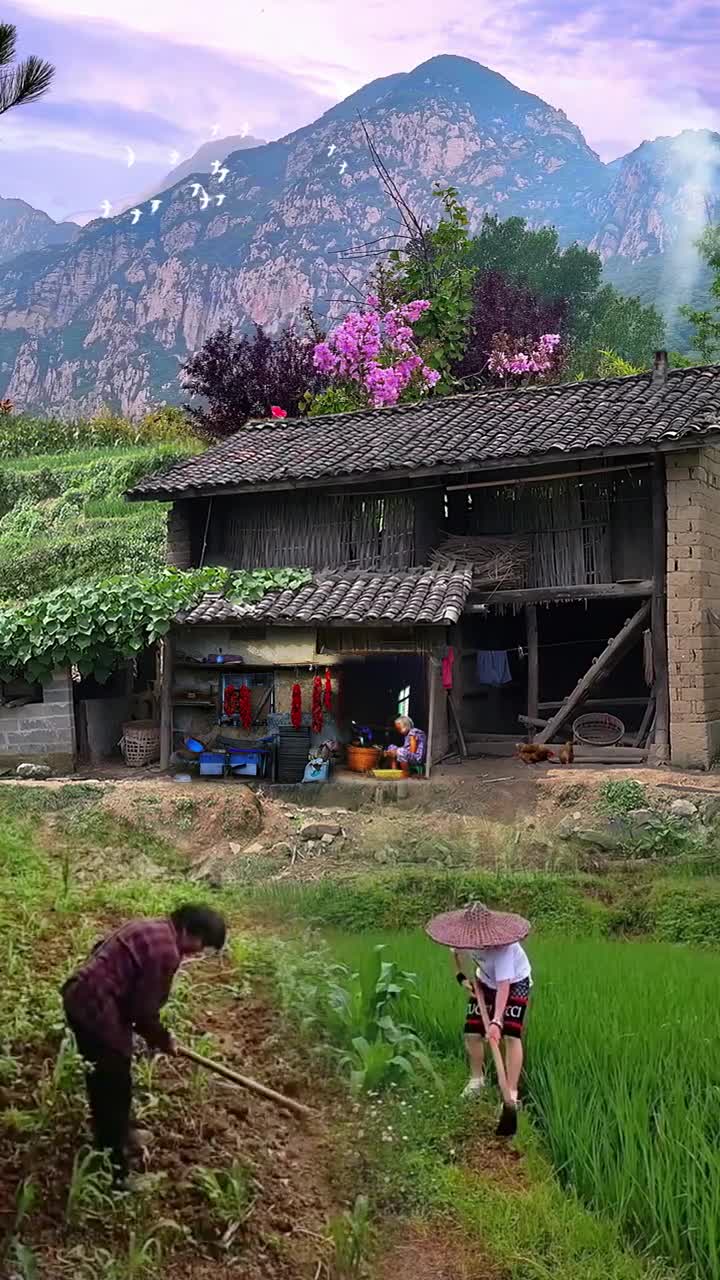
<point x="89" y="1194"/>
<point x="11" y="1247"/>
<point x="228" y="1192"/>
<point x="350" y="1236"/>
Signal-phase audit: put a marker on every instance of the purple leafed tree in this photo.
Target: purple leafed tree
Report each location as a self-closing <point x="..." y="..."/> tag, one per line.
<point x="501" y="307"/>
<point x="233" y="379"/>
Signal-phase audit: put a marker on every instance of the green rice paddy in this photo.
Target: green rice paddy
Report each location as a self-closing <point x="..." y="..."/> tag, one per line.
<point x="623" y="1075"/>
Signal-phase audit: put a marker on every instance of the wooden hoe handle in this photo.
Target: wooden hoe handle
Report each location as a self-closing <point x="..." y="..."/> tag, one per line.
<point x="244" y="1081"/>
<point x="494" y="1048"/>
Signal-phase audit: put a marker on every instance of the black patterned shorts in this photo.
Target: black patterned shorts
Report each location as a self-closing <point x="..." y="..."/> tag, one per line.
<point x="515" y="1010"/>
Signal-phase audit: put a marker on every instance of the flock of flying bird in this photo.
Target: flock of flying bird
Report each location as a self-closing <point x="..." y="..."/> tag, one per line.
<point x="217" y="170"/>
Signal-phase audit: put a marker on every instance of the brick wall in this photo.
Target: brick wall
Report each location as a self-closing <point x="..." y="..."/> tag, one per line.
<point x="693" y="587"/>
<point x="41" y="732"/>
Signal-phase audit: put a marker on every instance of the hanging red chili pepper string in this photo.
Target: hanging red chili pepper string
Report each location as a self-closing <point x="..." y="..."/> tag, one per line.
<point x="317" y="714"/>
<point x="230" y="701"/>
<point x="327" y="696"/>
<point x="245" y="706"/>
<point x="296" y="707"/>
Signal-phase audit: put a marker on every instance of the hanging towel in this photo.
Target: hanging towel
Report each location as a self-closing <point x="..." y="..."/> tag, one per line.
<point x="493" y="667"/>
<point x="447" y="669"/>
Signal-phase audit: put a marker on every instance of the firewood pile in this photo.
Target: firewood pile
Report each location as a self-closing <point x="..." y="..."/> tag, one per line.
<point x="495" y="560"/>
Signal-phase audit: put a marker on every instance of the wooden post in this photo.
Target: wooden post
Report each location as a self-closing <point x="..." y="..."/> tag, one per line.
<point x="432" y="691"/>
<point x="531" y="624"/>
<point x="166" y="708"/>
<point x="661" y="752"/>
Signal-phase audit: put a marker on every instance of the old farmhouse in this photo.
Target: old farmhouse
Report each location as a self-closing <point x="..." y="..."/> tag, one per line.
<point x="559" y="547"/>
<point x="529" y="563"/>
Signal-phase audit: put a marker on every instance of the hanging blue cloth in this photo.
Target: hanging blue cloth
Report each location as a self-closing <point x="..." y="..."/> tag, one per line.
<point x="493" y="667"/>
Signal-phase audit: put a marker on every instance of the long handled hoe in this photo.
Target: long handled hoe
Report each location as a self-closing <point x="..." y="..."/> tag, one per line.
<point x="245" y="1082"/>
<point x="507" y="1124"/>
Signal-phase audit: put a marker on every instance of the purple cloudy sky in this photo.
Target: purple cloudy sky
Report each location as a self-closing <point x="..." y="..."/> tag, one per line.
<point x="159" y="75"/>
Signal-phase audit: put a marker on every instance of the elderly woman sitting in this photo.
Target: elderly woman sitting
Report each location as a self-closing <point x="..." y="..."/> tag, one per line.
<point x="412" y="750"/>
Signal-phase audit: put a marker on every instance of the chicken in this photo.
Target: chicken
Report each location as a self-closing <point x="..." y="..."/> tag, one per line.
<point x="533" y="753"/>
<point x="566" y="755"/>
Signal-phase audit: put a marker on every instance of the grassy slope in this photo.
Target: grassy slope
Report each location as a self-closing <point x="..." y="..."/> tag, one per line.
<point x="62" y="514"/>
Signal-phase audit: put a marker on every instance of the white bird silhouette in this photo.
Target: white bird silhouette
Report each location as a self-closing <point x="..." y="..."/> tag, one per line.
<point x="223" y="174"/>
<point x="245" y="129"/>
<point x="174" y="157"/>
<point x="332" y="150"/>
<point x="204" y="200"/>
<point x="215" y="131"/>
<point x="343" y="166"/>
<point x="197" y="187"/>
<point x="155" y="205"/>
<point x="135" y="216"/>
<point x="220" y="198"/>
<point x="130" y="156"/>
<point x="215" y="166"/>
<point x="106" y="208"/>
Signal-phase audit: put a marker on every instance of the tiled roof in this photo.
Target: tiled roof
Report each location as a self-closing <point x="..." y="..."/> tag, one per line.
<point x="350" y="598"/>
<point x="454" y="431"/>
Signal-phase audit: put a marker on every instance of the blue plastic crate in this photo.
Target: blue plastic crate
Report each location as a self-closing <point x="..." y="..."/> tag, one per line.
<point x="212" y="763"/>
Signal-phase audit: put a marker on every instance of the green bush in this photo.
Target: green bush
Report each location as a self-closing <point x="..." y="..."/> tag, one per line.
<point x="685" y="911"/>
<point x="620" y="796"/>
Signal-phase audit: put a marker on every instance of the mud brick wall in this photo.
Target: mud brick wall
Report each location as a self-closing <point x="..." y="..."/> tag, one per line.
<point x="693" y="588"/>
<point x="41" y="732"/>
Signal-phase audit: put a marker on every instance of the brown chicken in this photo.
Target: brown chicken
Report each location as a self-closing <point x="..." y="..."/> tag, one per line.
<point x="566" y="755"/>
<point x="533" y="753"/>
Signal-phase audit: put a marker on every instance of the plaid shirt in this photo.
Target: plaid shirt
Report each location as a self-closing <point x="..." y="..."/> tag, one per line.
<point x="124" y="984"/>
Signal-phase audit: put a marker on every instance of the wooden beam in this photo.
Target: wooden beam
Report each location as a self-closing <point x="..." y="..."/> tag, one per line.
<point x="166" y="709"/>
<point x="531" y="627"/>
<point x="554" y="475"/>
<point x="659" y="612"/>
<point x="600" y="667"/>
<point x="597" y="702"/>
<point x="479" y="600"/>
<point x="532" y="722"/>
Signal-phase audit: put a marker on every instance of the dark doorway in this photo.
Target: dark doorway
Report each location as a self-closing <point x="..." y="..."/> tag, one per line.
<point x="375" y="690"/>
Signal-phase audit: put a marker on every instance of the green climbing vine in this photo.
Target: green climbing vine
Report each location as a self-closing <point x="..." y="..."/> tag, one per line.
<point x="95" y="625"/>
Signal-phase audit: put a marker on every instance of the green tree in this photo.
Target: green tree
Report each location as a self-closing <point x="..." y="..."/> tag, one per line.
<point x="436" y="266"/>
<point x="706" y="323"/>
<point x="25" y="82"/>
<point x="621" y="325"/>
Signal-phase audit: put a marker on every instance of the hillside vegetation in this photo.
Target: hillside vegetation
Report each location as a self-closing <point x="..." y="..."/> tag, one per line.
<point x="63" y="517"/>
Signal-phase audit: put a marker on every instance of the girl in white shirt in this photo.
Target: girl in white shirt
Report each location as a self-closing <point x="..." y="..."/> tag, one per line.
<point x="505" y="979"/>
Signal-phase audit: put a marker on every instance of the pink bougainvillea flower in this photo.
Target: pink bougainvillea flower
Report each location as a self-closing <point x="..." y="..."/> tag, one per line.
<point x="277" y="412"/>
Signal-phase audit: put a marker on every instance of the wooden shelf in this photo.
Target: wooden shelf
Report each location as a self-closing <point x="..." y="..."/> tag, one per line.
<point x="193" y="702"/>
<point x="223" y="666"/>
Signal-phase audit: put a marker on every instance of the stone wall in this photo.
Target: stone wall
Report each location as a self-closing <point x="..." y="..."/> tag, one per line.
<point x="693" y="588"/>
<point x="41" y="732"/>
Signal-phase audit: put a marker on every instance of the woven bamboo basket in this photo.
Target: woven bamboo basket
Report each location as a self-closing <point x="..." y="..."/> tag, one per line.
<point x="140" y="743"/>
<point x="598" y="729"/>
<point x="363" y="759"/>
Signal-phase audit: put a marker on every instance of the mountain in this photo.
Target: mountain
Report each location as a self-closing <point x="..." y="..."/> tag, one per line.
<point x="661" y="197"/>
<point x="108" y="319"/>
<point x="23" y="228"/>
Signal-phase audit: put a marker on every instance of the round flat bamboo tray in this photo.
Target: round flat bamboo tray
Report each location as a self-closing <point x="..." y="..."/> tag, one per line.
<point x="598" y="729"/>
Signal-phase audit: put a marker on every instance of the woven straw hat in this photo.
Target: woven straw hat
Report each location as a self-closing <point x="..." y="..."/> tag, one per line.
<point x="477" y="926"/>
